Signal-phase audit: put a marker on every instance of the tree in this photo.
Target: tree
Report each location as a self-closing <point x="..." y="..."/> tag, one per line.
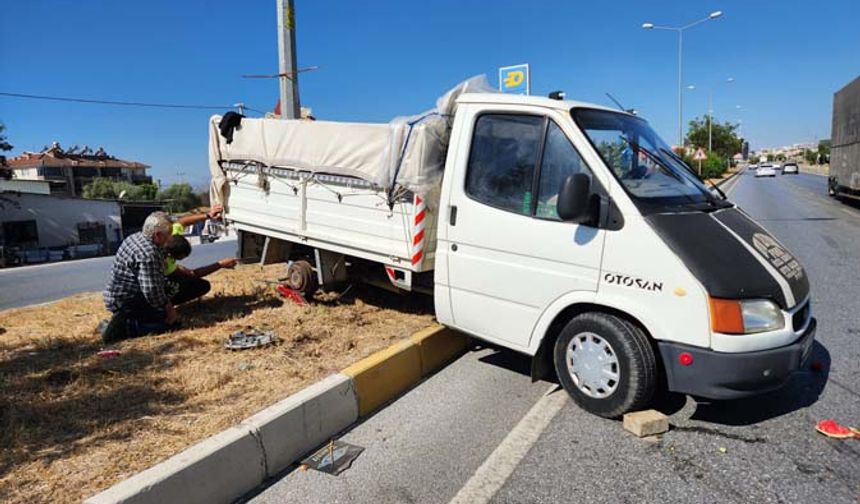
<point x="100" y="188"/>
<point x="726" y="143"/>
<point x="824" y="151"/>
<point x="105" y="188"/>
<point x="179" y="198"/>
<point x="4" y="145"/>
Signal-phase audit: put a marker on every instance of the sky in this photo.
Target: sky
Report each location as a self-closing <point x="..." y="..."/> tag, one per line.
<point x="381" y="59"/>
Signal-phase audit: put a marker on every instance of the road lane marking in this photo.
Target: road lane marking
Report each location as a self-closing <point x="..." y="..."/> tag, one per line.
<point x="499" y="466"/>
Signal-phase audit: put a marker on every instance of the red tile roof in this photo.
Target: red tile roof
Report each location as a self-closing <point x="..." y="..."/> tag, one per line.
<point x="55" y="156"/>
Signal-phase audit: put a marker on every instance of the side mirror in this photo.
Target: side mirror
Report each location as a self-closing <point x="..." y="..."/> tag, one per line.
<point x="574" y="199"/>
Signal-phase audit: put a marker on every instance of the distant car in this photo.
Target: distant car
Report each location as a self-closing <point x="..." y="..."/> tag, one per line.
<point x="765" y="171"/>
<point x="753" y="167"/>
<point x="789" y="168"/>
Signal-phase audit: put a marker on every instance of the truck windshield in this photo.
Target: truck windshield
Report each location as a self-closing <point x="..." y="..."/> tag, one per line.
<point x="650" y="172"/>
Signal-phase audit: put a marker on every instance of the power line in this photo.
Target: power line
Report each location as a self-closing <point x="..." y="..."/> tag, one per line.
<point x="122" y="103"/>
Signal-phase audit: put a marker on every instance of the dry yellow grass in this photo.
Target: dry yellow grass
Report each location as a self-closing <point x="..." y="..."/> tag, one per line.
<point x="73" y="423"/>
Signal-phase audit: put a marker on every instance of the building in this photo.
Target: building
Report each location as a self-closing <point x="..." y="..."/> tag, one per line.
<point x="38" y="226"/>
<point x="69" y="170"/>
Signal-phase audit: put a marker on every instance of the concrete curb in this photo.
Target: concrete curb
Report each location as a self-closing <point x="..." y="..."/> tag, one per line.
<point x="233" y="462"/>
<point x="730" y="177"/>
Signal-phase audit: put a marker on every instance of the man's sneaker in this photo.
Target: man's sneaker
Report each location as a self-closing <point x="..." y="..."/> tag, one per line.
<point x="115" y="330"/>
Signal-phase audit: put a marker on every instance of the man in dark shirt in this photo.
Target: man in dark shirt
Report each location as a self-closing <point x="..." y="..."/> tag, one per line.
<point x="135" y="293"/>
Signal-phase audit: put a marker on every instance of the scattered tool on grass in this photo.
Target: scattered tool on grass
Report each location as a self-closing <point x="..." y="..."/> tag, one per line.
<point x="291" y="294"/>
<point x="108" y="354"/>
<point x="251" y="338"/>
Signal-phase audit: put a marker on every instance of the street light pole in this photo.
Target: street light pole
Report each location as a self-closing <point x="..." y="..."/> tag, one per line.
<point x="680" y="84"/>
<point x="710" y="119"/>
<point x="680" y="30"/>
<point x="710" y="112"/>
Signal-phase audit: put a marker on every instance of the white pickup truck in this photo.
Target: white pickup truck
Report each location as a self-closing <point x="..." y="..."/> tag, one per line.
<point x="566" y="231"/>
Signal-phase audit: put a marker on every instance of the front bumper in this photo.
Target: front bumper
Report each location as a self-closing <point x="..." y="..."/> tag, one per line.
<point x="720" y="375"/>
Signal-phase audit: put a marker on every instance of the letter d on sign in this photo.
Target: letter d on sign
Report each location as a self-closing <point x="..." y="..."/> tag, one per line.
<point x="514" y="79"/>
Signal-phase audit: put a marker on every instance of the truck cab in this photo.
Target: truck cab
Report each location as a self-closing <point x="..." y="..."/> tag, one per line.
<point x="572" y="233"/>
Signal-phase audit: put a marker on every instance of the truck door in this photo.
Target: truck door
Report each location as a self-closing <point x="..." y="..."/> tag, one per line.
<point x="508" y="254"/>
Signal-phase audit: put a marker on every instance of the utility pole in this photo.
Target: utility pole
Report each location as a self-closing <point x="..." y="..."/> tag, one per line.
<point x="289" y="76"/>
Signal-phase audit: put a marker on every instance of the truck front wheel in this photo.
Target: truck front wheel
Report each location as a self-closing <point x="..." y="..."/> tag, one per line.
<point x="606" y="364"/>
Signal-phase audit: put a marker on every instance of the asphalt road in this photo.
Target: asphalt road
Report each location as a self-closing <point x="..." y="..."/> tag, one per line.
<point x="41" y="283"/>
<point x="480" y="431"/>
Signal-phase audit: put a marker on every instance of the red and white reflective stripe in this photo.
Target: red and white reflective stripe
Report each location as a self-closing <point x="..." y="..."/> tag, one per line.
<point x="418" y="230"/>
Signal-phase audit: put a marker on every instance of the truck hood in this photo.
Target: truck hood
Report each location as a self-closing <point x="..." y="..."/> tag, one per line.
<point x="733" y="256"/>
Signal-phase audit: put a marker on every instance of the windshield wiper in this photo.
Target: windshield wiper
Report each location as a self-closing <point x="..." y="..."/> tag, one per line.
<point x="693" y="172"/>
<point x="653" y="157"/>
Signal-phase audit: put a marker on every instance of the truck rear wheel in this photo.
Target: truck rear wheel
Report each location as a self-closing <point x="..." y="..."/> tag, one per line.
<point x="606" y="364"/>
<point x="301" y="278"/>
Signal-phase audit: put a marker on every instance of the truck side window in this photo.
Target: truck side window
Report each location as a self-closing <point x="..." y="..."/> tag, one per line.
<point x="560" y="160"/>
<point x="502" y="160"/>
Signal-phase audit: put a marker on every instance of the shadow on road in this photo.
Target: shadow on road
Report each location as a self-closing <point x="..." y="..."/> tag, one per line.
<point x="508" y="359"/>
<point x="802" y="390"/>
<point x="849" y="202"/>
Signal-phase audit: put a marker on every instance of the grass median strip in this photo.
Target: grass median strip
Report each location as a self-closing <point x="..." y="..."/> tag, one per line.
<point x="74" y="423"/>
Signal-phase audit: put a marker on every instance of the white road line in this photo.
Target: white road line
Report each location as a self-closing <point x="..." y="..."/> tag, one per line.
<point x="499" y="466"/>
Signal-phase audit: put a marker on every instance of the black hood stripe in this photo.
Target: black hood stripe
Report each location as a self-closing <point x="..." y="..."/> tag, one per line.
<point x="717" y="258"/>
<point x="783" y="284"/>
<point x="781" y="263"/>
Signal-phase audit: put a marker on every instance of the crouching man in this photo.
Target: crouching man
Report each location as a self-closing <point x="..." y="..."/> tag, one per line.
<point x="185" y="284"/>
<point x="136" y="291"/>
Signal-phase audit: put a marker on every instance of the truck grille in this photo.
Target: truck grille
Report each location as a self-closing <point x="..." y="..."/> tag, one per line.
<point x="800" y="317"/>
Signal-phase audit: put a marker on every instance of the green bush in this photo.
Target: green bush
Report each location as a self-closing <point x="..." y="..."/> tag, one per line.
<point x="712" y="167"/>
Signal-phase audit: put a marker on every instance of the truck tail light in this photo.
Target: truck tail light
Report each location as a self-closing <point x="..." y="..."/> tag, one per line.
<point x="685" y="358"/>
<point x="726" y="316"/>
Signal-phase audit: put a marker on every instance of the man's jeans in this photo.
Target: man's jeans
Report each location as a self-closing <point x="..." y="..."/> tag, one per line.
<point x="142" y="318"/>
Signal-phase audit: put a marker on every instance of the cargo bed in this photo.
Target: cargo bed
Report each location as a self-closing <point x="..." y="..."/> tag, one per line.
<point x="337" y="213"/>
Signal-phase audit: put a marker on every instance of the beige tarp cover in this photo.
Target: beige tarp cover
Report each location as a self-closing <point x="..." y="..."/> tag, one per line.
<point x="408" y="152"/>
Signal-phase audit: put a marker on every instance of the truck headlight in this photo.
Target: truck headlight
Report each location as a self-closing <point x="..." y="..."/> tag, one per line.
<point x="731" y="316"/>
<point x="761" y="315"/>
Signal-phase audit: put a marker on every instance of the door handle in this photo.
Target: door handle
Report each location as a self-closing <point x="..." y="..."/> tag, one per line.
<point x="452" y="215"/>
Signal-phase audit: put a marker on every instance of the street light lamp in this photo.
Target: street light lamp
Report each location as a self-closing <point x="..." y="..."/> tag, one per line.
<point x="680" y="31"/>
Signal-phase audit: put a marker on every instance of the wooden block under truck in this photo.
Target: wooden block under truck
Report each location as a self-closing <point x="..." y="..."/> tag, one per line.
<point x="567" y="231"/>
